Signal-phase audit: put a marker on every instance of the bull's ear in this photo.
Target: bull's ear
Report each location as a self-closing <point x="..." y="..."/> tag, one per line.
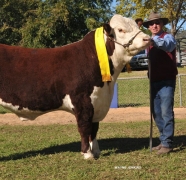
<point x="107" y="28"/>
<point x="110" y="45"/>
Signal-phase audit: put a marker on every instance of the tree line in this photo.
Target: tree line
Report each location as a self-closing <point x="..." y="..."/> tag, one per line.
<point x="51" y="23"/>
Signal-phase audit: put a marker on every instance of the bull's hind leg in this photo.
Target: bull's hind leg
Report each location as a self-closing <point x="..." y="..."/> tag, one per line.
<point x="93" y="142"/>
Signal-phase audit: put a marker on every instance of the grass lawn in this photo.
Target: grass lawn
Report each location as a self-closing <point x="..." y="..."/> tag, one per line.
<point x="53" y="152"/>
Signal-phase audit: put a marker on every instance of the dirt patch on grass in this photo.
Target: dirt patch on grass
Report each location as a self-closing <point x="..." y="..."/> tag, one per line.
<point x="114" y="115"/>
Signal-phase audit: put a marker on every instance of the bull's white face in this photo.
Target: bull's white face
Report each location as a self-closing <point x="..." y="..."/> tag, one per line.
<point x="124" y="29"/>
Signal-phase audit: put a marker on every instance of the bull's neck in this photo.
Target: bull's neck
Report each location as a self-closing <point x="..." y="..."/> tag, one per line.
<point x="118" y="66"/>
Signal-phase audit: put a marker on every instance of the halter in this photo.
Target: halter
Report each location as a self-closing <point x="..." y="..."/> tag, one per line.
<point x="124" y="45"/>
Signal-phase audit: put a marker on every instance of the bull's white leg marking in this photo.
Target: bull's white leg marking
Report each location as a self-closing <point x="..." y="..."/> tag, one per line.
<point x="94" y="146"/>
<point x="88" y="154"/>
<point x="23" y="119"/>
<point x="93" y="151"/>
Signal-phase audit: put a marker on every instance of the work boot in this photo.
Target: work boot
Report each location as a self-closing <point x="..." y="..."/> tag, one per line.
<point x="164" y="150"/>
<point x="156" y="148"/>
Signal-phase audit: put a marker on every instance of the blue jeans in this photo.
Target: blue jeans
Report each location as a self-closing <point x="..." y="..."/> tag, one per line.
<point x="162" y="109"/>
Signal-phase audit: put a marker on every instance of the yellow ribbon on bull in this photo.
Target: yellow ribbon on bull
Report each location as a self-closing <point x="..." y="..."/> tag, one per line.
<point x="102" y="55"/>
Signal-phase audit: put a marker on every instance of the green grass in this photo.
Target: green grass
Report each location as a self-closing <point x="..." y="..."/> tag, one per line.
<point x="53" y="152"/>
<point x="133" y="92"/>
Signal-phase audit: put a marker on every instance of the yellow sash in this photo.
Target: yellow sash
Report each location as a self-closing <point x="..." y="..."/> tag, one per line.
<point x="102" y="55"/>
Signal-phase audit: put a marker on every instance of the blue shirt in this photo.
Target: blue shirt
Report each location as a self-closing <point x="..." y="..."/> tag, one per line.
<point x="167" y="43"/>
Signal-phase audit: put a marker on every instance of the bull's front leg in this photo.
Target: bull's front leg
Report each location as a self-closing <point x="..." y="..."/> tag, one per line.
<point x="89" y="145"/>
<point x="85" y="131"/>
<point x="84" y="113"/>
<point x="94" y="146"/>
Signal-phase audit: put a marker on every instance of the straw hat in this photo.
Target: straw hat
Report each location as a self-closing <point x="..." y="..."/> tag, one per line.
<point x="153" y="16"/>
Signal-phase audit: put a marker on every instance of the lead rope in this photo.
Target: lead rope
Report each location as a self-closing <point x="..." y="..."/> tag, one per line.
<point x="126" y="46"/>
<point x="150" y="91"/>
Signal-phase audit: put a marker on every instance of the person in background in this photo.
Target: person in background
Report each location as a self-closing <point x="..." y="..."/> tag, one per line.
<point x="139" y="22"/>
<point x="162" y="73"/>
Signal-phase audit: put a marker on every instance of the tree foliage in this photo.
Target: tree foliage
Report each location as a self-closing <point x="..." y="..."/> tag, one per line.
<point x="50" y="23"/>
<point x="13" y="15"/>
<point x="175" y="11"/>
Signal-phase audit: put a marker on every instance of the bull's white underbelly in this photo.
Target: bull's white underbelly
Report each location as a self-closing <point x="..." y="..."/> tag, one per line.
<point x="24" y="114"/>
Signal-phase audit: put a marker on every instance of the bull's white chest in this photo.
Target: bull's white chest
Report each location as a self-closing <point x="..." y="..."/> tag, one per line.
<point x="101" y="100"/>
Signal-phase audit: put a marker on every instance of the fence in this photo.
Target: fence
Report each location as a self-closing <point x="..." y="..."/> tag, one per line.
<point x="181" y="50"/>
<point x="134" y="92"/>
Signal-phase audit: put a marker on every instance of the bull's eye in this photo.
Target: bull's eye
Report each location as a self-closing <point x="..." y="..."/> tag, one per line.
<point x="121" y="30"/>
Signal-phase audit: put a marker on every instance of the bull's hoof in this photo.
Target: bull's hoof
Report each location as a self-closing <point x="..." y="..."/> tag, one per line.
<point x="93" y="152"/>
<point x="96" y="155"/>
<point x="88" y="155"/>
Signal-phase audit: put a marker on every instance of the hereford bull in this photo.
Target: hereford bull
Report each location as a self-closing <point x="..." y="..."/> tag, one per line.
<point x="36" y="81"/>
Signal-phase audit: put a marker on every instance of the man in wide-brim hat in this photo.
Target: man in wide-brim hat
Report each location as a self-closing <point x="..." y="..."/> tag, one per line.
<point x="162" y="74"/>
<point x="155" y="16"/>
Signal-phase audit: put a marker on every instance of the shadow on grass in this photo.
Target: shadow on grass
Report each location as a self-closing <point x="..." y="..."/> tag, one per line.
<point x="124" y="145"/>
<point x="119" y="145"/>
